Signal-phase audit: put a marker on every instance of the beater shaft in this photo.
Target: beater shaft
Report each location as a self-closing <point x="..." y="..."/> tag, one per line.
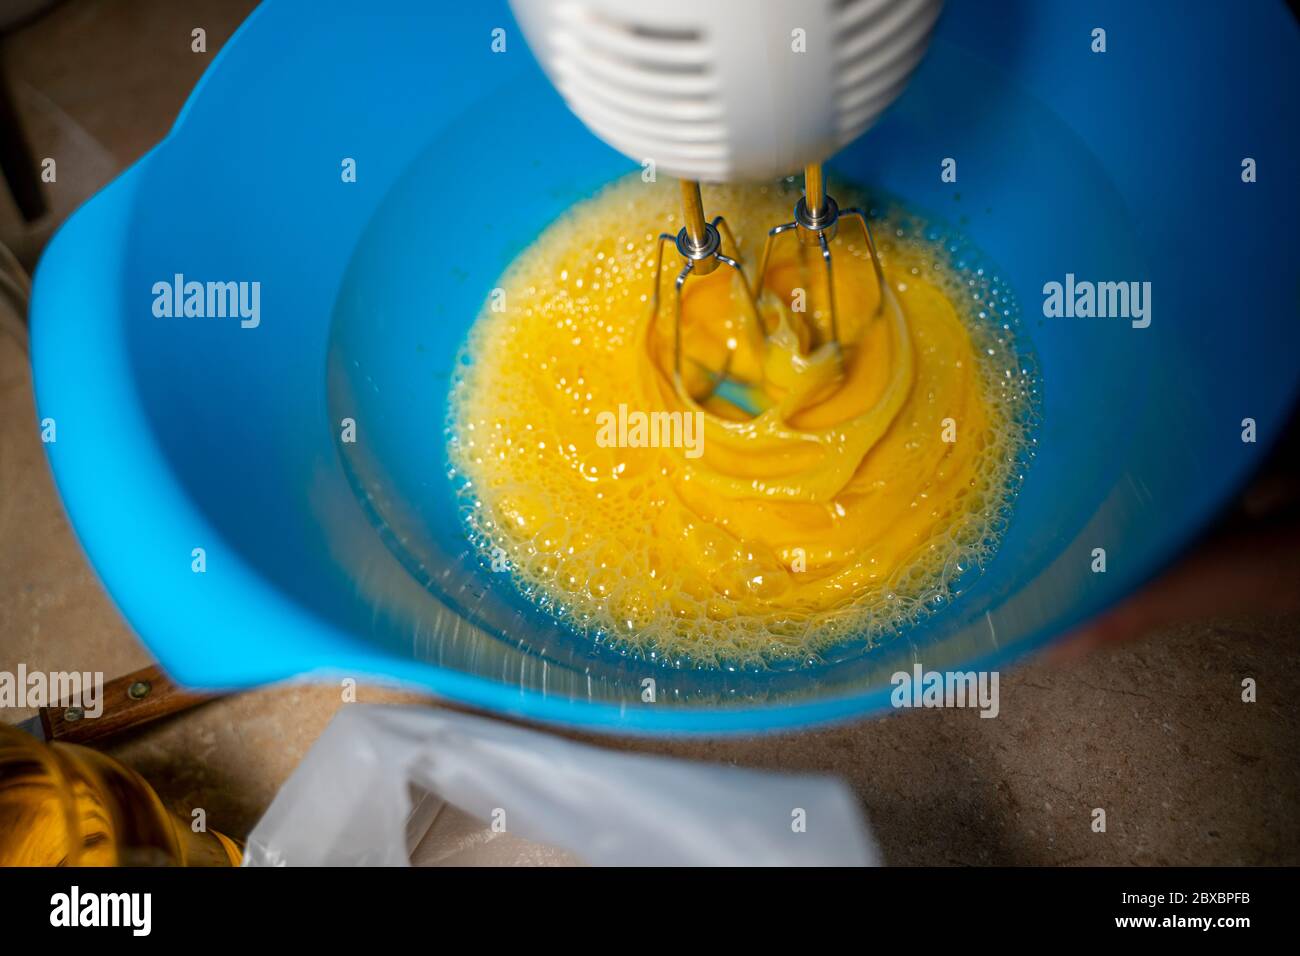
<point x="693" y="216"/>
<point x="814" y="187"/>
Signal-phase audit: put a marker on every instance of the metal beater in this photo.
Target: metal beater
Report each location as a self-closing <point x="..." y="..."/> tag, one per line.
<point x="815" y="223"/>
<point x="699" y="243"/>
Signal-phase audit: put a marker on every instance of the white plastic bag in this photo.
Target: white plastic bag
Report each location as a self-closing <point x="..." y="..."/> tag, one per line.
<point x="370" y="788"/>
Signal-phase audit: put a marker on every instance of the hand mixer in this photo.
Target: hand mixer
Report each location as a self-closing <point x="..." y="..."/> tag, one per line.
<point x="733" y="90"/>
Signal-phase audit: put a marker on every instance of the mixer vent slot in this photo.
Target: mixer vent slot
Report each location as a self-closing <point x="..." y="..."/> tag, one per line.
<point x="877" y="45"/>
<point x="647" y="89"/>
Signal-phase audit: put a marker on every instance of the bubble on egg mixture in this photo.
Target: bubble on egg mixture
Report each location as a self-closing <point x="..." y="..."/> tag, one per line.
<point x="655" y="555"/>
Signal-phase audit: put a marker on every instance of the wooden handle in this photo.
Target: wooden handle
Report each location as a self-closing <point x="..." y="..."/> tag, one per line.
<point x="129" y="701"/>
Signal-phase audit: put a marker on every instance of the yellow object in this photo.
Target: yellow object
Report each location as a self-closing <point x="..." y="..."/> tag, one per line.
<point x="66" y="805"/>
<point x="788" y="493"/>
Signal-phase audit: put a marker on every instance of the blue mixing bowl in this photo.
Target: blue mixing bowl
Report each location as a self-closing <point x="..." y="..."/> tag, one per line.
<point x="180" y="433"/>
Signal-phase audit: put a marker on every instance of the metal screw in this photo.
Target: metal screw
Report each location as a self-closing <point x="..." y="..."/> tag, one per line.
<point x="73" y="713"/>
<point x="139" y="690"/>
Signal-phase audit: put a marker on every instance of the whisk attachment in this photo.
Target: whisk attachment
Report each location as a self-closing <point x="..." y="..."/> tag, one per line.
<point x="816" y="222"/>
<point x="699" y="243"/>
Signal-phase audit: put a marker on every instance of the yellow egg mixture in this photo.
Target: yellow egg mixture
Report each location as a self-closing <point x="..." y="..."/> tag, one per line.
<point x="800" y="493"/>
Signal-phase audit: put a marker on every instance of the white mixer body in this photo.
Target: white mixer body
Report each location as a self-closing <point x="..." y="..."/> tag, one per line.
<point x="728" y="90"/>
